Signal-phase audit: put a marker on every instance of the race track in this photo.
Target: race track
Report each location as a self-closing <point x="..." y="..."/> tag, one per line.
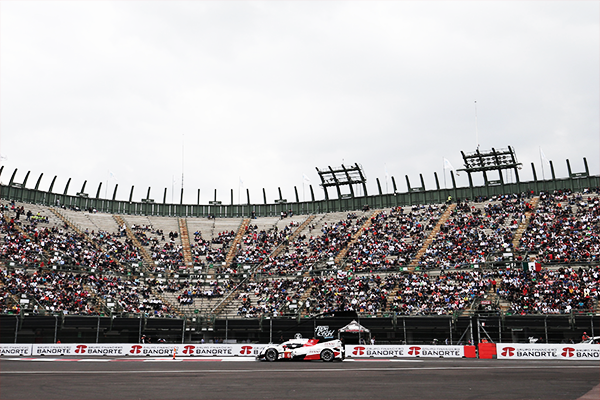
<point x="210" y="378"/>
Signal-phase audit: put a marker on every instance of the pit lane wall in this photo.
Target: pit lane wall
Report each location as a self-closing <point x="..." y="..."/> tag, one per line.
<point x="512" y="351"/>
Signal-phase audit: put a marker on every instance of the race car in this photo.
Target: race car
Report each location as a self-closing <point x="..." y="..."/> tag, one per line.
<point x="304" y="349"/>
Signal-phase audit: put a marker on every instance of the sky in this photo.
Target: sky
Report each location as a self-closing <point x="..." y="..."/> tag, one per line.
<point x="250" y="95"/>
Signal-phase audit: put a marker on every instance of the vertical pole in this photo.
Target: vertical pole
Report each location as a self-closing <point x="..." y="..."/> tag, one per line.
<point x="359" y="342"/>
<point x="55" y="326"/>
<point x="140" y="330"/>
<point x="16" y="327"/>
<point x="478" y="331"/>
<point x="499" y="330"/>
<point x="98" y="329"/>
<point x="404" y="328"/>
<point x="271" y="329"/>
<point x="226" y="328"/>
<point x="183" y="332"/>
<point x="450" y="326"/>
<point x="471" y="328"/>
<point x="546" y="327"/>
<point x="592" y="323"/>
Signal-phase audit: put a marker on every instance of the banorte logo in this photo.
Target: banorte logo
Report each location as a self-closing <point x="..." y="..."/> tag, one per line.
<point x="568" y="352"/>
<point x="188" y="349"/>
<point x="414" y="351"/>
<point x="246" y="350"/>
<point x="358" y="351"/>
<point x="136" y="349"/>
<point x="80" y="348"/>
<point x="508" y="352"/>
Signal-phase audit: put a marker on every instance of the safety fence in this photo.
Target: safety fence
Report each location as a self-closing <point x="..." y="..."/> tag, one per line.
<point x="510" y="351"/>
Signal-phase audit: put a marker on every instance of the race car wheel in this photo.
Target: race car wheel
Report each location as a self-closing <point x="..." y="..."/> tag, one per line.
<point x="271" y="355"/>
<point x="327" y="355"/>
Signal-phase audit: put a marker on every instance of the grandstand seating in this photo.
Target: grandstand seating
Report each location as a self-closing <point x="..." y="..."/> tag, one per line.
<point x="413" y="260"/>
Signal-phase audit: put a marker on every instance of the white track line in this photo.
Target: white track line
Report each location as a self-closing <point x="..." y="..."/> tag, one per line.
<point x="318" y="370"/>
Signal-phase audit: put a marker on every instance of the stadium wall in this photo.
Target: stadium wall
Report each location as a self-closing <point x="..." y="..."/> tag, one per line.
<point x="19" y="192"/>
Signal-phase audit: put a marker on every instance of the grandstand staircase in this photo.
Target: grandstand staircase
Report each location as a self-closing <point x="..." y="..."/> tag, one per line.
<point x="342" y="254"/>
<point x="185" y="242"/>
<point x="338" y="259"/>
<point x="227" y="300"/>
<point x="148" y="260"/>
<point x="523" y="225"/>
<point x="432" y="235"/>
<point x="292" y="237"/>
<point x="236" y="241"/>
<point x="97" y="299"/>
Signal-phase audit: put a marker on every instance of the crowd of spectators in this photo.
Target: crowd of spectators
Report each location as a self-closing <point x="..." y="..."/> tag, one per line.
<point x="304" y="253"/>
<point x="474" y="234"/>
<point x="564" y="228"/>
<point x="550" y="291"/>
<point x="393" y="239"/>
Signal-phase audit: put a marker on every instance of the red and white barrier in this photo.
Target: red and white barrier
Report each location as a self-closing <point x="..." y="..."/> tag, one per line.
<point x="507" y="351"/>
<point x="410" y="351"/>
<point x="519" y="351"/>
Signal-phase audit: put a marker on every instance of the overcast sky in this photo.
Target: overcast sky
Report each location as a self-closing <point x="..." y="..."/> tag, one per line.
<point x="263" y="92"/>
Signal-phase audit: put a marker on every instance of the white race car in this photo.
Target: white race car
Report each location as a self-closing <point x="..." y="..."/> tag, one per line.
<point x="304" y="349"/>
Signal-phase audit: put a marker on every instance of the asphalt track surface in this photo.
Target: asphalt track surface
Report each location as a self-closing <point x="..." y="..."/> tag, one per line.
<point x="195" y="378"/>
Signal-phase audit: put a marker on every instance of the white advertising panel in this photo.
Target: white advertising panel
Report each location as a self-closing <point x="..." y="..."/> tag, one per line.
<point x="74" y="349"/>
<point x="516" y="351"/>
<point x="410" y="351"/>
<point x="15" y="349"/>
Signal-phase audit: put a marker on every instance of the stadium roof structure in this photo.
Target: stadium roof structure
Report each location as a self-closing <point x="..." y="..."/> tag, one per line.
<point x="342" y="176"/>
<point x="491" y="160"/>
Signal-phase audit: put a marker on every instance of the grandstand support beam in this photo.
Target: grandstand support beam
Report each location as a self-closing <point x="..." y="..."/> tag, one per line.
<point x="279" y="191"/>
<point x="1" y="169"/>
<point x="181" y="197"/>
<point x="437" y="181"/>
<point x="28" y="172"/>
<point x="98" y="191"/>
<point x="422" y="182"/>
<point x="67" y="187"/>
<point x="52" y="184"/>
<point x="215" y="199"/>
<point x="535" y="179"/>
<point x="198" y="203"/>
<point x="568" y="169"/>
<point x="12" y="178"/>
<point x="453" y="180"/>
<point x="379" y="186"/>
<point x="296" y="193"/>
<point x="83" y="187"/>
<point x="394" y="184"/>
<point x="165" y="197"/>
<point x="37" y="184"/>
<point x="409" y="190"/>
<point x="312" y="193"/>
<point x="247" y="196"/>
<point x="585" y="165"/>
<point x="231" y="197"/>
<point x="115" y="192"/>
<point x="552" y="170"/>
<point x="131" y="194"/>
<point x="148" y="193"/>
<point x="264" y="196"/>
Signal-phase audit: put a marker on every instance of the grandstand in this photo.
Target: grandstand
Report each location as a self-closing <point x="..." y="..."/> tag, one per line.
<point x="497" y="261"/>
